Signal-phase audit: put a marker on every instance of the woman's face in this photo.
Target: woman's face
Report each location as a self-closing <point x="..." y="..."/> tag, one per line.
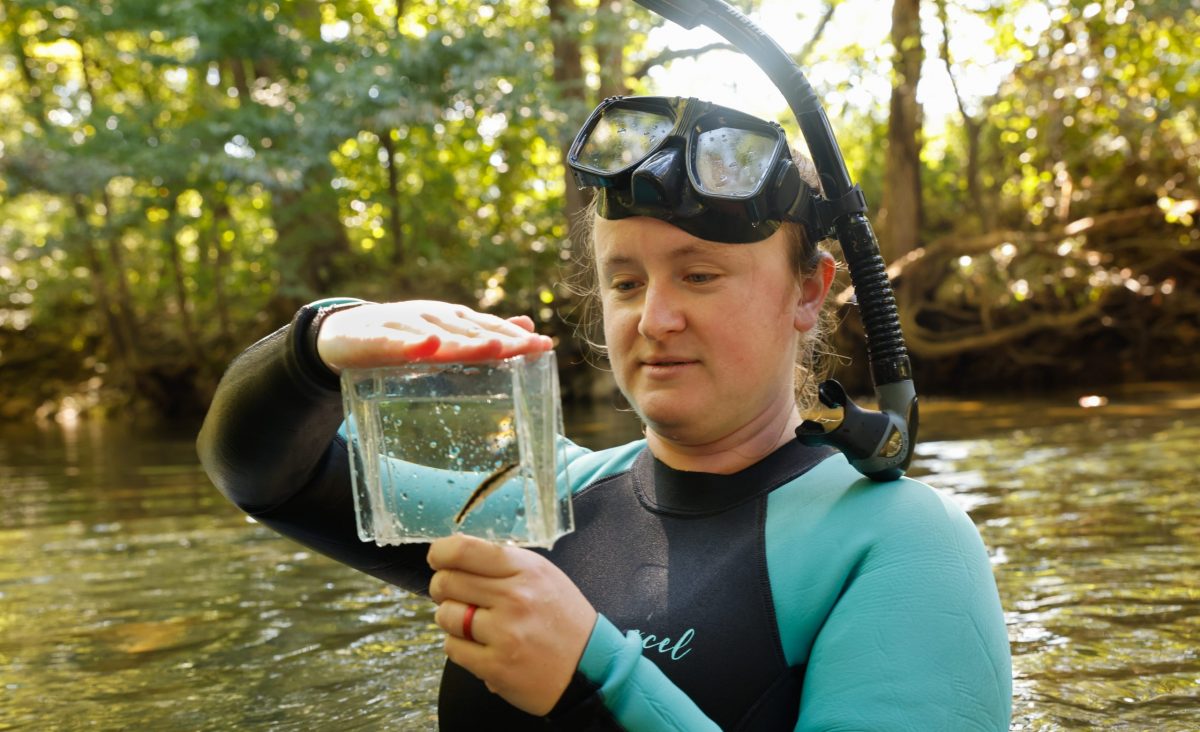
<point x="702" y="336"/>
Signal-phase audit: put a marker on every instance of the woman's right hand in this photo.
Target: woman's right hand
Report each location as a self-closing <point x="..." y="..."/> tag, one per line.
<point x="388" y="334"/>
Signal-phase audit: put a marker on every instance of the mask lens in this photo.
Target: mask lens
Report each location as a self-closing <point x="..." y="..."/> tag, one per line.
<point x="731" y="161"/>
<point x="623" y="137"/>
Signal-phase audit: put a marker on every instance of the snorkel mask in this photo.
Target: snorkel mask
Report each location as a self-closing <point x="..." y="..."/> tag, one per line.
<point x="726" y="176"/>
<point x="712" y="171"/>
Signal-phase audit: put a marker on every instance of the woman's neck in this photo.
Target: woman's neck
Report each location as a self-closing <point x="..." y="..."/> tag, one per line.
<point x="729" y="453"/>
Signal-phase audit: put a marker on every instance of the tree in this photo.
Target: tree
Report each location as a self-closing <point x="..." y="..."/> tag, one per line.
<point x="177" y="176"/>
<point x="1086" y="160"/>
<point x="201" y="171"/>
<point x="902" y="184"/>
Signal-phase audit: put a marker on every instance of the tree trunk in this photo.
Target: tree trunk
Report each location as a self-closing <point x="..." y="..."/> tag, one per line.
<point x="122" y="347"/>
<point x="902" y="185"/>
<point x="190" y="341"/>
<point x="987" y="216"/>
<point x="972" y="129"/>
<point x="610" y="45"/>
<point x="124" y="299"/>
<point x="568" y="77"/>
<point x="220" y="260"/>
<point x="311" y="236"/>
<point x="12" y="27"/>
<point x="393" y="189"/>
<point x="237" y="71"/>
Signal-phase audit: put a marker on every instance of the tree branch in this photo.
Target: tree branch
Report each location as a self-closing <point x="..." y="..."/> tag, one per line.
<point x="1109" y="222"/>
<point x="936" y="329"/>
<point x="925" y="344"/>
<point x="801" y="58"/>
<point x="672" y="54"/>
<point x="944" y="18"/>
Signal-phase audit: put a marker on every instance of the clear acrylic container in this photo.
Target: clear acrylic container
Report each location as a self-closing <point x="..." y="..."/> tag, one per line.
<point x="477" y="449"/>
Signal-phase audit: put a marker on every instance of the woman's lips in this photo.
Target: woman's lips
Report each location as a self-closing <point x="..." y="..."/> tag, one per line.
<point x="666" y="367"/>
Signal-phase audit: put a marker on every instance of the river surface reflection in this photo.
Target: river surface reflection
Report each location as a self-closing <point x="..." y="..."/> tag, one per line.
<point x="133" y="596"/>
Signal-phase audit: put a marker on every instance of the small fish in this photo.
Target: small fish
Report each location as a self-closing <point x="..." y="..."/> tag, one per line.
<point x="485" y="488"/>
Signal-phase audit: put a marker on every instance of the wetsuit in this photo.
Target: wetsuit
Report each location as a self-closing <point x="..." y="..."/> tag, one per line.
<point x="792" y="595"/>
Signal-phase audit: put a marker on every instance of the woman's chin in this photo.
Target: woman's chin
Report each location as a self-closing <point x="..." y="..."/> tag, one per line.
<point x="664" y="416"/>
<point x="675" y="428"/>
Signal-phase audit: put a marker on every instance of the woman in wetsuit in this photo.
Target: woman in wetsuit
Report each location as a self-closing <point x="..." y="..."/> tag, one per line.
<point x="722" y="575"/>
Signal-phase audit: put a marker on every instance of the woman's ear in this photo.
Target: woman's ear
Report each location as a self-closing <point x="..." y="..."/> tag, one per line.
<point x="814" y="287"/>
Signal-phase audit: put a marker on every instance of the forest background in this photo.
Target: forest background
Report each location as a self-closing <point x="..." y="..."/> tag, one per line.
<point x="178" y="176"/>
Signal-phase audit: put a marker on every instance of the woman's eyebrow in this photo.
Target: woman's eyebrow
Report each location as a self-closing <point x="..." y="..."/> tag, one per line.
<point x="615" y="260"/>
<point x="695" y="248"/>
<point x="683" y="251"/>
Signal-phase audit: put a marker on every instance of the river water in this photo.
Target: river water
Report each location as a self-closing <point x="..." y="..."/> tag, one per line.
<point x="133" y="597"/>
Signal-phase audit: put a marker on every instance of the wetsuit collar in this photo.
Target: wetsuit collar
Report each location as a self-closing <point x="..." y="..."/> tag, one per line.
<point x="663" y="489"/>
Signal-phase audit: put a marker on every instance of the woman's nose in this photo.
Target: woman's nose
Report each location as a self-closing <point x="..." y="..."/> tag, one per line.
<point x="662" y="313"/>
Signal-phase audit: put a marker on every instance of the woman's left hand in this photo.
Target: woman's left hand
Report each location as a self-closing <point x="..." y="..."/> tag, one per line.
<point x="531" y="625"/>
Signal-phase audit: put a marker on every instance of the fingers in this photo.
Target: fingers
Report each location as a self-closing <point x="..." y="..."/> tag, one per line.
<point x="451" y="616"/>
<point x="476" y="658"/>
<point x="514" y="336"/>
<point x="374" y="347"/>
<point x="470" y="654"/>
<point x="422" y="330"/>
<point x="509" y="338"/>
<point x="523" y="321"/>
<point x="471" y="570"/>
<point x="530" y="624"/>
<point x="370" y="347"/>
<point x="470" y="589"/>
<point x="474" y="555"/>
<point x="472" y="324"/>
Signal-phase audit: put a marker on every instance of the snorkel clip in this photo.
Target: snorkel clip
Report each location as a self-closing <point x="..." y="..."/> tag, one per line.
<point x="819" y="215"/>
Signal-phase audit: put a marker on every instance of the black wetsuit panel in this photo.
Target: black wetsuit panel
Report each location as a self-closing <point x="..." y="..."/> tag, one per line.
<point x="680" y="558"/>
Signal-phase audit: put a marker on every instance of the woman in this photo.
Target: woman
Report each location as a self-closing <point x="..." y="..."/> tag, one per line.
<point x="722" y="575"/>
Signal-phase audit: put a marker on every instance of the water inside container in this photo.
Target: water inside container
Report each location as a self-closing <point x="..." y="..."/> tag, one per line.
<point x="471" y="448"/>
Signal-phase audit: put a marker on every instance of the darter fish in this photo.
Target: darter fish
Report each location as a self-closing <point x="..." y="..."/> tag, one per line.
<point x="485" y="488"/>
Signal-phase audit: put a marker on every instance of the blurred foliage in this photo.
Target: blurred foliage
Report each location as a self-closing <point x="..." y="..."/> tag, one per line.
<point x="1099" y="112"/>
<point x="177" y="176"/>
<point x="1076" y="261"/>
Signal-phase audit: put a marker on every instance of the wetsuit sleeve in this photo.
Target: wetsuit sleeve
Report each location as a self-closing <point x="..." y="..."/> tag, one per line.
<point x="908" y="632"/>
<point x="269" y="443"/>
<point x="627" y="691"/>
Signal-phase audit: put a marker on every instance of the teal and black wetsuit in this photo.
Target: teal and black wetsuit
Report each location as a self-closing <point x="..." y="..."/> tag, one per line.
<point x="791" y="595"/>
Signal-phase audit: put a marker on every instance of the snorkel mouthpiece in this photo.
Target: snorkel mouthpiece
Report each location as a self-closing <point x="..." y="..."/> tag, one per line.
<point x="877" y="444"/>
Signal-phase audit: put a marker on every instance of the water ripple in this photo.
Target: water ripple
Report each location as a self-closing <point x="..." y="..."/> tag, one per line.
<point x="129" y="590"/>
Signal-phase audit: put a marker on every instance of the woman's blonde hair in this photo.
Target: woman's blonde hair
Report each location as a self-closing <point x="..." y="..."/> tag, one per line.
<point x="813" y="356"/>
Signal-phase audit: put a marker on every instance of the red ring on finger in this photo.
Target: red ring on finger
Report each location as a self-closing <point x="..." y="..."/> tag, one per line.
<point x="468" y="618"/>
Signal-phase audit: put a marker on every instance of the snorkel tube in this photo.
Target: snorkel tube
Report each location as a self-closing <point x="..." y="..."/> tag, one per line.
<point x="879" y="444"/>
